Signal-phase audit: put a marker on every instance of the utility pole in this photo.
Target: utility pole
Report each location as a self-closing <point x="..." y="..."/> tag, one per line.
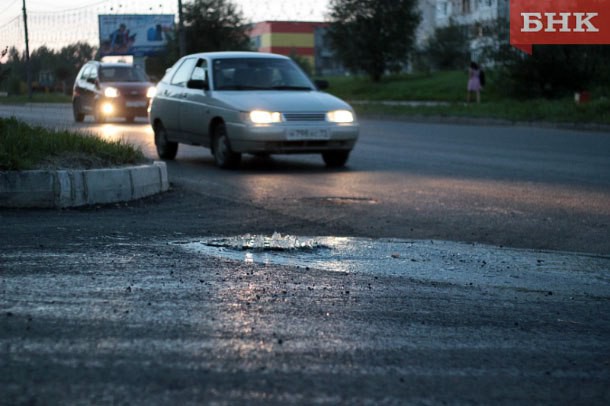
<point x="181" y="33"/>
<point x="28" y="65"/>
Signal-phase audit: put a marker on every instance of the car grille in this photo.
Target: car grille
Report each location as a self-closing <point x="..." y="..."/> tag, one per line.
<point x="134" y="94"/>
<point x="304" y="116"/>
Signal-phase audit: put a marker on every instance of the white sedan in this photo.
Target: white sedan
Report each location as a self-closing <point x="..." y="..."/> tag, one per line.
<point x="249" y="102"/>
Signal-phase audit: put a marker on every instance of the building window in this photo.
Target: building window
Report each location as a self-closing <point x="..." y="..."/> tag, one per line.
<point x="442" y="8"/>
<point x="465" y="6"/>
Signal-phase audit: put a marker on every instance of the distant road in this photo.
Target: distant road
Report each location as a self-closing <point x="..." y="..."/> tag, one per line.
<point x="506" y="185"/>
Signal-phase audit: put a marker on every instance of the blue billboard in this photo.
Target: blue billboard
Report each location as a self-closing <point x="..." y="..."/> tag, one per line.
<point x="135" y="34"/>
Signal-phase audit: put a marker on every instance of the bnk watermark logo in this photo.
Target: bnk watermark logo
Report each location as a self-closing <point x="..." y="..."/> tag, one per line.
<point x="559" y="22"/>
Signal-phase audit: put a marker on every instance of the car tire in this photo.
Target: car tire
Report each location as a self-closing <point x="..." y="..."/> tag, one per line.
<point x="78" y="116"/>
<point x="335" y="159"/>
<point x="165" y="149"/>
<point x="224" y="157"/>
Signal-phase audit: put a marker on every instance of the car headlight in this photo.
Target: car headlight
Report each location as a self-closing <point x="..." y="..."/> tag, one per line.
<point x="151" y="92"/>
<point x="111" y="92"/>
<point x="340" y="116"/>
<point x="265" y="117"/>
<point x="107" y="108"/>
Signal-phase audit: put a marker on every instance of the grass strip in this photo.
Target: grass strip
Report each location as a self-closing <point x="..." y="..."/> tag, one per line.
<point x="559" y="111"/>
<point x="23" y="147"/>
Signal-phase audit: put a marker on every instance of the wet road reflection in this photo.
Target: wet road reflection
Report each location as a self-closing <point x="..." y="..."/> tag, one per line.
<point x="430" y="261"/>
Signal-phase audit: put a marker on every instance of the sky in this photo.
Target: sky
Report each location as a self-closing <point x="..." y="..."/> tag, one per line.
<point x="56" y="23"/>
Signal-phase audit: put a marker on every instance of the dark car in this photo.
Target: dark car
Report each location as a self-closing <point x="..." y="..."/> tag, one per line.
<point x="106" y="90"/>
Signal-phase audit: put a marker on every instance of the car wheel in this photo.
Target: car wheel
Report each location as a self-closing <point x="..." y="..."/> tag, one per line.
<point x="78" y="116"/>
<point x="223" y="154"/>
<point x="165" y="149"/>
<point x="335" y="159"/>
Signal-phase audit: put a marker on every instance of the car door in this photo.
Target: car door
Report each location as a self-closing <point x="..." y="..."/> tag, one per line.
<point x="194" y="115"/>
<point x="84" y="89"/>
<point x="172" y="99"/>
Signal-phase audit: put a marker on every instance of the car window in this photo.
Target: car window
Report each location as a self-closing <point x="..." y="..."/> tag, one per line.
<point x="259" y="74"/>
<point x="199" y="73"/>
<point x="183" y="74"/>
<point x="122" y="74"/>
<point x="86" y="72"/>
<point x="93" y="72"/>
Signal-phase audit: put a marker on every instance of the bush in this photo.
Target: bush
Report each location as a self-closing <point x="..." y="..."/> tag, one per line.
<point x="553" y="71"/>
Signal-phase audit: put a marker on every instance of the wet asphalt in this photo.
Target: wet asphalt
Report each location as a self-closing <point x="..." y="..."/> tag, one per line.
<point x="137" y="304"/>
<point x="130" y="304"/>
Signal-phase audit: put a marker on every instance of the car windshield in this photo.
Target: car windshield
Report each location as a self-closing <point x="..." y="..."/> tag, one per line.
<point x="259" y="74"/>
<point x="122" y="74"/>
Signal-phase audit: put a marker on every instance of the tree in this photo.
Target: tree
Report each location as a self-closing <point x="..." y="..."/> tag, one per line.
<point x="215" y="25"/>
<point x="373" y="36"/>
<point x="3" y="73"/>
<point x="448" y="47"/>
<point x="63" y="64"/>
<point x="553" y="71"/>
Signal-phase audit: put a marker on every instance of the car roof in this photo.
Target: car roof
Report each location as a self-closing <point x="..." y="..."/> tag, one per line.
<point x="111" y="64"/>
<point x="115" y="65"/>
<point x="236" y="54"/>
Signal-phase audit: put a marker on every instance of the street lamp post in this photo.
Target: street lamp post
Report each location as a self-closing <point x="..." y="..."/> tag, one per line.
<point x="181" y="36"/>
<point x="28" y="65"/>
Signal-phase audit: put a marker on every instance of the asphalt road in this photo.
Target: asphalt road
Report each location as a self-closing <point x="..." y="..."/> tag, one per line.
<point x="525" y="187"/>
<point x="113" y="305"/>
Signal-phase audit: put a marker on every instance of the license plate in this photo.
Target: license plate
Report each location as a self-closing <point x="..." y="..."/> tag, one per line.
<point x="136" y="104"/>
<point x="300" y="134"/>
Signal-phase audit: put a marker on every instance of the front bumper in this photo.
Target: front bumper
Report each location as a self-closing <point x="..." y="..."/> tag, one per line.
<point x="292" y="138"/>
<point x="120" y="107"/>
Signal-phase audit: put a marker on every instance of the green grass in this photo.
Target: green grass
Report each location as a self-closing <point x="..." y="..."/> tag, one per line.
<point x="450" y="88"/>
<point x="438" y="86"/>
<point x="23" y="147"/>
<point x="559" y="111"/>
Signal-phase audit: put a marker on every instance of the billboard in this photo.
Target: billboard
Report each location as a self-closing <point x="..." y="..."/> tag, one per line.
<point x="135" y="34"/>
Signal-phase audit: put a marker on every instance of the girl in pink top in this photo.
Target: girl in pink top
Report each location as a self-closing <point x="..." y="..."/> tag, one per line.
<point x="474" y="82"/>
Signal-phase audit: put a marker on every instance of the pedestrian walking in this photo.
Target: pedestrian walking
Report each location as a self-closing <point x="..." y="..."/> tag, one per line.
<point x="474" y="82"/>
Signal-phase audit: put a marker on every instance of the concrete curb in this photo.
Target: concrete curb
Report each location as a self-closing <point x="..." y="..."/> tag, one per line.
<point x="74" y="188"/>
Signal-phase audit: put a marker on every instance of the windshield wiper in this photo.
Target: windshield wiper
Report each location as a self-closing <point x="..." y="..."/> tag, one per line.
<point x="241" y="87"/>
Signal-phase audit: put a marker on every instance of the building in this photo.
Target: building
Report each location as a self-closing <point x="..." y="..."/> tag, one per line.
<point x="481" y="16"/>
<point x="469" y="12"/>
<point x="296" y="38"/>
<point x="307" y="39"/>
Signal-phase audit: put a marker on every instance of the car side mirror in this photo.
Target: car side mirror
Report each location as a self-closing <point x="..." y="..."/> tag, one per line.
<point x="321" y="84"/>
<point x="197" y="84"/>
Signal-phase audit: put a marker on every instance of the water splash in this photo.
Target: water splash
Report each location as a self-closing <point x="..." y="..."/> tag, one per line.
<point x="257" y="242"/>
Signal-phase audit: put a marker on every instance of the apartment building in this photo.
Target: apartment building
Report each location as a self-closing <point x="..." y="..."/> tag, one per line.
<point x="481" y="16"/>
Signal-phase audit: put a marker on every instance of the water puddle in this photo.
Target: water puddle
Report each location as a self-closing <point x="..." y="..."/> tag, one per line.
<point x="438" y="261"/>
<point x="276" y="242"/>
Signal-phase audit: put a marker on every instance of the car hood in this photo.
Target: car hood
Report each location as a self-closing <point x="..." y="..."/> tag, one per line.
<point x="283" y="101"/>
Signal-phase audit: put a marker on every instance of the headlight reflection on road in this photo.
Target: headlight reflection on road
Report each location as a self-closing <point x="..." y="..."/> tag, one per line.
<point x="111" y="132"/>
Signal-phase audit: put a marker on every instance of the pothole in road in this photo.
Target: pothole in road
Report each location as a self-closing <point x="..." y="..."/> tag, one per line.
<point x="276" y="242"/>
<point x="431" y="261"/>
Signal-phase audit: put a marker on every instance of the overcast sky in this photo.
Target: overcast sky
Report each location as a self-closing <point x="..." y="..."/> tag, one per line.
<point x="60" y="22"/>
<point x="256" y="10"/>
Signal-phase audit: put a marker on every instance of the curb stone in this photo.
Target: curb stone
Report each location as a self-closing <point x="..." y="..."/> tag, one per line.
<point x="74" y="188"/>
